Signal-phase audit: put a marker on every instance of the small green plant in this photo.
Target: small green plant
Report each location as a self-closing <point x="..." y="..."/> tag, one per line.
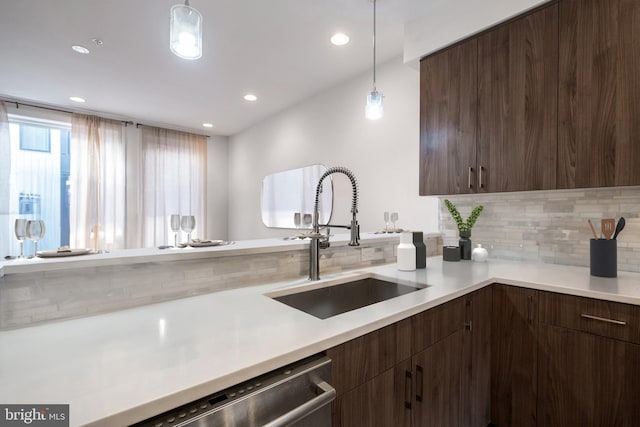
<point x="462" y="224"/>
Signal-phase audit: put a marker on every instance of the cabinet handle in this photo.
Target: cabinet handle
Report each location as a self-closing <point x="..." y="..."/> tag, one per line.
<point x="407" y="390"/>
<point x="419" y="385"/>
<point x="603" y="319"/>
<point x="480" y="185"/>
<point x="469" y="178"/>
<point x="529" y="309"/>
<point x="468" y="325"/>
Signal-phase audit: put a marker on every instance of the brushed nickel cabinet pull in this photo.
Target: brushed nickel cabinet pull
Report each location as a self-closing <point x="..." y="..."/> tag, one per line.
<point x="469" y="178"/>
<point x="480" y="185"/>
<point x="603" y="319"/>
<point x="407" y="390"/>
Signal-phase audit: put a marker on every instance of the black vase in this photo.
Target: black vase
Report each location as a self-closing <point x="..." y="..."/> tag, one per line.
<point x="465" y="244"/>
<point x="421" y="250"/>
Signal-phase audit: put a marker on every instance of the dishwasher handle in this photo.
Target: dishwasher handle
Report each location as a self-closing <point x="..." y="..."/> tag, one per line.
<point x="327" y="396"/>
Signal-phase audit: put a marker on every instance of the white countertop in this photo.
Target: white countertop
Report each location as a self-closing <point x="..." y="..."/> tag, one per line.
<point x="122" y="367"/>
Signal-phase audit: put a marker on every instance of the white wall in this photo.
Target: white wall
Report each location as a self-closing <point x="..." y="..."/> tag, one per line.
<point x="217" y="186"/>
<point x="445" y="22"/>
<point x="330" y="128"/>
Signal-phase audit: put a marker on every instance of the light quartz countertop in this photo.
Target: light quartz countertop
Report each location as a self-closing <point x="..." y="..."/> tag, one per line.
<point x="123" y="367"/>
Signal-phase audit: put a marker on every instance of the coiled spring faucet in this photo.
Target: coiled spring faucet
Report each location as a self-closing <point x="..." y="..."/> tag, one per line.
<point x="317" y="239"/>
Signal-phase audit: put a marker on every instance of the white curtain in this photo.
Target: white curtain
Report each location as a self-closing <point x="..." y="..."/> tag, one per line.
<point x="174" y="170"/>
<point x="98" y="183"/>
<point x="6" y="227"/>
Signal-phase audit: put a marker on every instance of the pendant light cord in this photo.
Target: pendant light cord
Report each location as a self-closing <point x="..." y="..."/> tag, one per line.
<point x="374" y="45"/>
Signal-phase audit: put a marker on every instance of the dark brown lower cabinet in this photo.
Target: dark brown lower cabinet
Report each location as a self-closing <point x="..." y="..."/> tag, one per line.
<point x="514" y="356"/>
<point x="587" y="380"/>
<point x="418" y="372"/>
<point x="380" y="402"/>
<point x="438" y="376"/>
<point x="505" y="355"/>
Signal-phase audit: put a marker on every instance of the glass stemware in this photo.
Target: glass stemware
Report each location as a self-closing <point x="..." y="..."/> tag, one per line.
<point x="297" y="219"/>
<point x="175" y="227"/>
<point x="35" y="231"/>
<point x="307" y="220"/>
<point x="20" y="229"/>
<point x="386" y="222"/>
<point x="394" y="218"/>
<point x="188" y="223"/>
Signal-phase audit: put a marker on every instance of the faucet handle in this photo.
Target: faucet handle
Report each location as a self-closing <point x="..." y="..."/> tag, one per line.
<point x="324" y="241"/>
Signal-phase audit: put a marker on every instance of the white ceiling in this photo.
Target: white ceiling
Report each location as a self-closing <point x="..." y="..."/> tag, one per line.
<point x="277" y="49"/>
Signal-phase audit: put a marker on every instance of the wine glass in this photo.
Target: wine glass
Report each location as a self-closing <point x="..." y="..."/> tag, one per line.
<point x="35" y="231"/>
<point x="188" y="223"/>
<point x="394" y="218"/>
<point x="175" y="227"/>
<point x="386" y="222"/>
<point x="20" y="229"/>
<point x="297" y="219"/>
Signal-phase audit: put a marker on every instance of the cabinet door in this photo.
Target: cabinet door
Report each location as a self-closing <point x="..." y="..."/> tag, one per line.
<point x="598" y="94"/>
<point x="476" y="373"/>
<point x="438" y="371"/>
<point x="513" y="358"/>
<point x="361" y="359"/>
<point x="517" y="104"/>
<point x="448" y="105"/>
<point x="586" y="380"/>
<point x="380" y="402"/>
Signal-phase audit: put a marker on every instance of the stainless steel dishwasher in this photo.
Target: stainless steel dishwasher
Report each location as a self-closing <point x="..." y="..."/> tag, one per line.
<point x="296" y="395"/>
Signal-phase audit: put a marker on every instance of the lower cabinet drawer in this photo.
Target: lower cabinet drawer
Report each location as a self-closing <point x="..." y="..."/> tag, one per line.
<point x="604" y="318"/>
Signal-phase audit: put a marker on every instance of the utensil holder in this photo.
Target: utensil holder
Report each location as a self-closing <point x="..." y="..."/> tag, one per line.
<point x="604" y="257"/>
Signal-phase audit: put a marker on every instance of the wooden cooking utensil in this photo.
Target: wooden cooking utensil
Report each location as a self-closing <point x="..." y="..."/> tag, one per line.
<point x="608" y="226"/>
<point x="593" y="230"/>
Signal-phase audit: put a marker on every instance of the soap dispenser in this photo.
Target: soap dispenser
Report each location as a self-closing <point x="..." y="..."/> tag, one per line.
<point x="406" y="252"/>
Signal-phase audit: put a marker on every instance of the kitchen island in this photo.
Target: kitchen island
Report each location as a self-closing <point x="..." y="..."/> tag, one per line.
<point x="122" y="367"/>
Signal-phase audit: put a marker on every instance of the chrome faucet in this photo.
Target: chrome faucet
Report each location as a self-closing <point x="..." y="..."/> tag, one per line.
<point x="318" y="240"/>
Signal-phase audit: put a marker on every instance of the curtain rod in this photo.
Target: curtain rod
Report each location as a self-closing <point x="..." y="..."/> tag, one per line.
<point x="125" y="122"/>
<point x="174" y="129"/>
<point x="26" y="104"/>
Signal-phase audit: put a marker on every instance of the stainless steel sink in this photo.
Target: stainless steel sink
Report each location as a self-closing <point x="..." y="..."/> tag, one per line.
<point x="336" y="299"/>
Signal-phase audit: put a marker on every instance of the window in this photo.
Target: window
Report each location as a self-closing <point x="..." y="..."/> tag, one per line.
<point x="39" y="178"/>
<point x="35" y="138"/>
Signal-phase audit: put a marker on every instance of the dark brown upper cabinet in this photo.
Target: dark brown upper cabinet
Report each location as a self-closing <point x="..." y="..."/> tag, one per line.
<point x="517" y="104"/>
<point x="599" y="93"/>
<point x="448" y="120"/>
<point x="488" y="110"/>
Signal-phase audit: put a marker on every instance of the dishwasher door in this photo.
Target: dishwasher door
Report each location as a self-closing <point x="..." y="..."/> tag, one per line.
<point x="296" y="395"/>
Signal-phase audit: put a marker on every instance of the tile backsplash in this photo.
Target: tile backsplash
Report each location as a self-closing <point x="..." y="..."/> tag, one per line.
<point x="548" y="226"/>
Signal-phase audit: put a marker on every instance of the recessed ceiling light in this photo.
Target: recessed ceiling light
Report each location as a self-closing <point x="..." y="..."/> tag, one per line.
<point x="250" y="97"/>
<point x="80" y="49"/>
<point x="207" y="125"/>
<point x="77" y="99"/>
<point x="339" y="39"/>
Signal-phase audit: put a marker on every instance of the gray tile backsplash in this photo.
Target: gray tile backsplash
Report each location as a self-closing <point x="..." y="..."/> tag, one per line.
<point x="549" y="226"/>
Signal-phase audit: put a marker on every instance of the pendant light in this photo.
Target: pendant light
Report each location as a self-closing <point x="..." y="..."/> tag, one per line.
<point x="374" y="110"/>
<point x="186" y="31"/>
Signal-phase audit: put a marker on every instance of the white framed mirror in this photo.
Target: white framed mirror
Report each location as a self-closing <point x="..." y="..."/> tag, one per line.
<point x="288" y="198"/>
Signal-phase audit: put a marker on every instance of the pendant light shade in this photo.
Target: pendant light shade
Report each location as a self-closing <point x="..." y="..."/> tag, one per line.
<point x="186" y="31"/>
<point x="373" y="109"/>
